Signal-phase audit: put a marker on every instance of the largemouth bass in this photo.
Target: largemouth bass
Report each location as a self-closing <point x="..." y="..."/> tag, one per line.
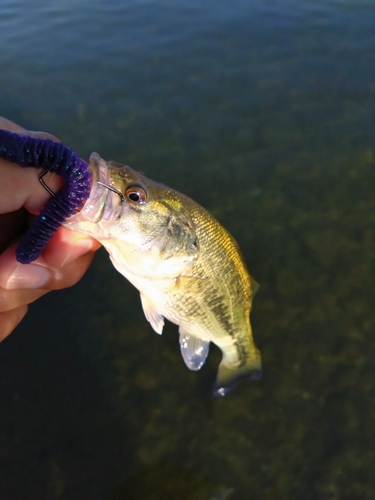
<point x="186" y="266"/>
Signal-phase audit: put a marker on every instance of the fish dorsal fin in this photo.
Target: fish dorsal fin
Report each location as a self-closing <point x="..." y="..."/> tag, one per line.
<point x="194" y="350"/>
<point x="156" y="319"/>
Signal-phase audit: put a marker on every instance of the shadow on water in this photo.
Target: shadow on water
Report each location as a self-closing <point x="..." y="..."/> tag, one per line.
<point x="54" y="403"/>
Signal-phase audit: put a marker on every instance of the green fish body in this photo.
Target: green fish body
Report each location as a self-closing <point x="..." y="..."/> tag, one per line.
<point x="186" y="266"/>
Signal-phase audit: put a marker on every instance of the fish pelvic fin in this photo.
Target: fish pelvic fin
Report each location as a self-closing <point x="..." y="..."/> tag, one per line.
<point x="156" y="319"/>
<point x="229" y="376"/>
<point x="194" y="350"/>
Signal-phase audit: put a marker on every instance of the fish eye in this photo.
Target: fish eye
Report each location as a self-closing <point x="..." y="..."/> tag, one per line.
<point x="136" y="194"/>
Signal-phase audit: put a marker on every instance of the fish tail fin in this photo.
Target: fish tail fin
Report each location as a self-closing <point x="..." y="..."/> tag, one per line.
<point x="228" y="377"/>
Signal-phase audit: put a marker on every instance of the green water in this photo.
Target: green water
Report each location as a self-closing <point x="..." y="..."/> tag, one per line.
<point x="264" y="112"/>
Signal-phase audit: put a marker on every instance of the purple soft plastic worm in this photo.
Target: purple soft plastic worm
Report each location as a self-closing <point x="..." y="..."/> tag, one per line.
<point x="54" y="157"/>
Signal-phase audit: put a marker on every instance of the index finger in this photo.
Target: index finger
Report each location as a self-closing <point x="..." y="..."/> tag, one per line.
<point x="13" y="127"/>
<point x="20" y="187"/>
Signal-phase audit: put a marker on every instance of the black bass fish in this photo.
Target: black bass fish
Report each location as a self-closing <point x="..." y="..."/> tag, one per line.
<point x="186" y="266"/>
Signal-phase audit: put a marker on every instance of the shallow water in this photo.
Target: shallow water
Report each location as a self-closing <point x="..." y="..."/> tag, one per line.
<point x="264" y="112"/>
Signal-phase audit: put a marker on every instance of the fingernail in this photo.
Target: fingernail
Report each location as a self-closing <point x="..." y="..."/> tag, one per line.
<point x="80" y="248"/>
<point x="28" y="276"/>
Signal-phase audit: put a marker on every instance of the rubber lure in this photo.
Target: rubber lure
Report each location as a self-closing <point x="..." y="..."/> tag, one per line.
<point x="53" y="157"/>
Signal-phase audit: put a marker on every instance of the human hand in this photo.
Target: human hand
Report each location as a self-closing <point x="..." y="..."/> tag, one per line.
<point x="66" y="257"/>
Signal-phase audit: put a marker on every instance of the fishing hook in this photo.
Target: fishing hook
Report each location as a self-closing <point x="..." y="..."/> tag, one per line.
<point x="44" y="184"/>
<point x="114" y="190"/>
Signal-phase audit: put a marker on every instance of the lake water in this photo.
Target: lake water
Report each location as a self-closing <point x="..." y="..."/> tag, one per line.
<point x="264" y="112"/>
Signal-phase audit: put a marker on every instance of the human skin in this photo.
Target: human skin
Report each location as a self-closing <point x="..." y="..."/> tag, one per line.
<point x="66" y="257"/>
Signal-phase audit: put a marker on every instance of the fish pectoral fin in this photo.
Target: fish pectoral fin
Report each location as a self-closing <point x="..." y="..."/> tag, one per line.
<point x="193" y="349"/>
<point x="228" y="377"/>
<point x="156" y="319"/>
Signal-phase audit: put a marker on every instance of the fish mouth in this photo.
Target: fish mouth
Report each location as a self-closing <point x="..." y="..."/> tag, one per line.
<point x="98" y="205"/>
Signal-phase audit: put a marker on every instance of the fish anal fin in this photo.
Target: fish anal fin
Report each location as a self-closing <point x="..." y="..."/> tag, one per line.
<point x="156" y="319"/>
<point x="254" y="285"/>
<point x="193" y="349"/>
<point x="228" y="377"/>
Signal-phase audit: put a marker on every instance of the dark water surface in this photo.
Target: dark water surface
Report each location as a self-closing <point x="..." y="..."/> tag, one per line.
<point x="264" y="112"/>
